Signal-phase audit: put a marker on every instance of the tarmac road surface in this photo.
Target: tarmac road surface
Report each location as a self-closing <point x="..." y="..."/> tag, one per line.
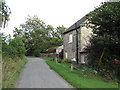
<point x="37" y="74"/>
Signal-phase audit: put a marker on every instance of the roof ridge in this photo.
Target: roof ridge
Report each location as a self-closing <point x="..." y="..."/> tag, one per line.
<point x="73" y="27"/>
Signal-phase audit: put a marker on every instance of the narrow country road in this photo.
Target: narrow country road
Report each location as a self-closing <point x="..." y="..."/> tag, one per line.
<point x="37" y="74"/>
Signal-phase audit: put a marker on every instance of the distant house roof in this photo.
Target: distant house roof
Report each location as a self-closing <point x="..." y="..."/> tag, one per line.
<point x="74" y="27"/>
<point x="59" y="49"/>
<point x="52" y="49"/>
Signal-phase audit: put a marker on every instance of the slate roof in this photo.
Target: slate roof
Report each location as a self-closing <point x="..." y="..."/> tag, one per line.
<point x="75" y="25"/>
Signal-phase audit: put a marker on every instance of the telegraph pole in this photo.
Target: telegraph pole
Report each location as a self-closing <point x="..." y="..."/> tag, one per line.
<point x="76" y="43"/>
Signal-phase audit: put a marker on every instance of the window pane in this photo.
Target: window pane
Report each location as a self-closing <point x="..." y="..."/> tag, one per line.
<point x="70" y="38"/>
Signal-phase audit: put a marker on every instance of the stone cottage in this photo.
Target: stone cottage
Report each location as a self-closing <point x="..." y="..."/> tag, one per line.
<point x="75" y="39"/>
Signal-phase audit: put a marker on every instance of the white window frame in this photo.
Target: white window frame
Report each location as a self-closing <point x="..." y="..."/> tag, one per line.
<point x="82" y="59"/>
<point x="66" y="55"/>
<point x="70" y="38"/>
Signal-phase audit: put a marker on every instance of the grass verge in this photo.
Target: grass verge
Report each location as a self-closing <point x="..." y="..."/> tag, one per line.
<point x="0" y="63"/>
<point x="11" y="67"/>
<point x="77" y="79"/>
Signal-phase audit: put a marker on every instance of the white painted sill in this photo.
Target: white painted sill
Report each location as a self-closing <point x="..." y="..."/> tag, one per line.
<point x="69" y="42"/>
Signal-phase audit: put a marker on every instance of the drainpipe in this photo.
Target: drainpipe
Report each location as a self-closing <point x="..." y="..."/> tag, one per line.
<point x="76" y="43"/>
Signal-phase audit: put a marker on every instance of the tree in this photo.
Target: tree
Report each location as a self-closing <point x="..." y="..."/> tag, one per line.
<point x="34" y="34"/>
<point x="57" y="36"/>
<point x="105" y="42"/>
<point x="18" y="46"/>
<point x="60" y="30"/>
<point x="4" y="14"/>
<point x="12" y="46"/>
<point x="38" y="36"/>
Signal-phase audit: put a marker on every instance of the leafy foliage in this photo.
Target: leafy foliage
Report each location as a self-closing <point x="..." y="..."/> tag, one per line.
<point x="13" y="46"/>
<point x="13" y="59"/>
<point x="65" y="60"/>
<point x="104" y="21"/>
<point x="38" y="36"/>
<point x="4" y="14"/>
<point x="18" y="46"/>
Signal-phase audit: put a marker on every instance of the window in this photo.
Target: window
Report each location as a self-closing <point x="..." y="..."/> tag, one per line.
<point x="82" y="59"/>
<point x="66" y="55"/>
<point x="70" y="38"/>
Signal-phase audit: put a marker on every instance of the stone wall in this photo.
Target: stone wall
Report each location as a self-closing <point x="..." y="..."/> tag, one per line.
<point x="84" y="35"/>
<point x="69" y="48"/>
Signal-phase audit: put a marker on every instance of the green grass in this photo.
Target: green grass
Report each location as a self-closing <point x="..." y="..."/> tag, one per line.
<point x="12" y="67"/>
<point x="0" y="70"/>
<point x="77" y="79"/>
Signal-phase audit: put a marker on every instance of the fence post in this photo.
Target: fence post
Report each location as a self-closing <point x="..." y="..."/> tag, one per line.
<point x="71" y="67"/>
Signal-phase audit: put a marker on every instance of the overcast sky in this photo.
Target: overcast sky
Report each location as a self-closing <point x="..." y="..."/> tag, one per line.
<point x="52" y="12"/>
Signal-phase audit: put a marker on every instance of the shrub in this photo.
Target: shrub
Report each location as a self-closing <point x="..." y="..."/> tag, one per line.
<point x="15" y="47"/>
<point x="59" y="60"/>
<point x="105" y="43"/>
<point x="18" y="45"/>
<point x="86" y="70"/>
<point x="65" y="60"/>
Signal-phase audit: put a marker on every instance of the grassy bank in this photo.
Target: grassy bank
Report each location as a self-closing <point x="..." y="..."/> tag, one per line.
<point x="11" y="67"/>
<point x="0" y="70"/>
<point x="77" y="79"/>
